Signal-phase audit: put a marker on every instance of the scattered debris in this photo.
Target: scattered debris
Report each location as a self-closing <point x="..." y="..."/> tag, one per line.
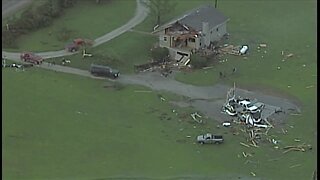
<point x="243" y="144"/>
<point x="289" y="55"/>
<point x="226" y="124"/>
<point x="244" y="154"/>
<point x="301" y="148"/>
<point x="263" y="45"/>
<point x="252" y="173"/>
<point x="193" y="115"/>
<point x="296" y="165"/>
<point x="309" y="86"/>
<point x="244" y="49"/>
<point x="84" y="54"/>
<point x="295" y="114"/>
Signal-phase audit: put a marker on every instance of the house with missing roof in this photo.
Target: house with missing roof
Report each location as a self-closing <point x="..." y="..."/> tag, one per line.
<point x="196" y="30"/>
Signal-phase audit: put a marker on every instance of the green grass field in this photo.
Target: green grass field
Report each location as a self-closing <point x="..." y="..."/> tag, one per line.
<point x="84" y="20"/>
<point x="60" y="126"/>
<point x="121" y="53"/>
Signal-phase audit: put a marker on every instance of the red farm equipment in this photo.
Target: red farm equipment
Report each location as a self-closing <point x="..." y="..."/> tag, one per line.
<point x="31" y="58"/>
<point x="77" y="44"/>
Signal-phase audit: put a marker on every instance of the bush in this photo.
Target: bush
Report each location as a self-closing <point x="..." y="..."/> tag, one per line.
<point x="160" y="54"/>
<point x="33" y="19"/>
<point x="198" y="61"/>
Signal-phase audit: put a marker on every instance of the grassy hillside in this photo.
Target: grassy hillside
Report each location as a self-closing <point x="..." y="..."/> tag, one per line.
<point x="85" y="20"/>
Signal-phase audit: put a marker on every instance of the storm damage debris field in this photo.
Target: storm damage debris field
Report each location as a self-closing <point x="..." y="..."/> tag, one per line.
<point x="146" y="125"/>
<point x="208" y="99"/>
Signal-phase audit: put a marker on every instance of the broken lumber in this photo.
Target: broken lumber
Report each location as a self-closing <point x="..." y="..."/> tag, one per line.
<point x="263" y="45"/>
<point x="296" y="165"/>
<point x="289" y="55"/>
<point x="294" y="149"/>
<point x="294" y="114"/>
<point x="243" y="144"/>
<point x="244" y="154"/>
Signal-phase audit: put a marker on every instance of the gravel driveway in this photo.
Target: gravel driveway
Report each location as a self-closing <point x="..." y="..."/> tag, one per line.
<point x="206" y="99"/>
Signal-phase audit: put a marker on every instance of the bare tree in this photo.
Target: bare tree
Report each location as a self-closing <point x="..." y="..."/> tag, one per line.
<point x="159" y="8"/>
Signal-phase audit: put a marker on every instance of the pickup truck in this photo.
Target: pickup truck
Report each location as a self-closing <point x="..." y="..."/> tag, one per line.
<point x="209" y="139"/>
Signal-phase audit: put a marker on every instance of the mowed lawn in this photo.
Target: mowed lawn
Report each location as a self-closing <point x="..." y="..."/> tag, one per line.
<point x="61" y="126"/>
<point x="288" y="26"/>
<point x="85" y="20"/>
<point x="68" y="127"/>
<point x="121" y="53"/>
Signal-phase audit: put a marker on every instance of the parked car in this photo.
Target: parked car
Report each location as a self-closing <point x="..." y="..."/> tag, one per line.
<point x="105" y="71"/>
<point x="210" y="139"/>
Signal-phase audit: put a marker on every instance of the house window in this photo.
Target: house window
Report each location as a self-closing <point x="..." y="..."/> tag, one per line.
<point x="210" y="32"/>
<point x="165" y="38"/>
<point x="217" y="29"/>
<point x="200" y="44"/>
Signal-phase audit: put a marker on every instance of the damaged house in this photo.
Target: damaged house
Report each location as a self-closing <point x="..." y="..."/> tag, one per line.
<point x="196" y="30"/>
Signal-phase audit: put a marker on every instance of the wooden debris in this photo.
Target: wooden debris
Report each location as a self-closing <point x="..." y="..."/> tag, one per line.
<point x="294" y="114"/>
<point x="289" y="55"/>
<point x="265" y="120"/>
<point x="244" y="154"/>
<point x="249" y="154"/>
<point x="294" y="149"/>
<point x="297" y="140"/>
<point x="263" y="45"/>
<point x="208" y="67"/>
<point x="254" y="143"/>
<point x="309" y="86"/>
<point x="283" y="131"/>
<point x="296" y="165"/>
<point x="193" y="115"/>
<point x="252" y="173"/>
<point x="243" y="144"/>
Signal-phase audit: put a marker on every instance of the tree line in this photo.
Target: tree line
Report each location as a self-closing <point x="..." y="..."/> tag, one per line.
<point x="35" y="18"/>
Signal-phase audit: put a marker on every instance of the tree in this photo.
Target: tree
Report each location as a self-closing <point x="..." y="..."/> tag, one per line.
<point x="159" y="8"/>
<point x="198" y="61"/>
<point x="160" y="53"/>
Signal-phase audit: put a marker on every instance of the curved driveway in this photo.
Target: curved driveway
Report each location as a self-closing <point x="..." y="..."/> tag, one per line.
<point x="207" y="100"/>
<point x="140" y="14"/>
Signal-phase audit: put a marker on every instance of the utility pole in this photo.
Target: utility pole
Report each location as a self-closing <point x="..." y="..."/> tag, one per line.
<point x="215" y="4"/>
